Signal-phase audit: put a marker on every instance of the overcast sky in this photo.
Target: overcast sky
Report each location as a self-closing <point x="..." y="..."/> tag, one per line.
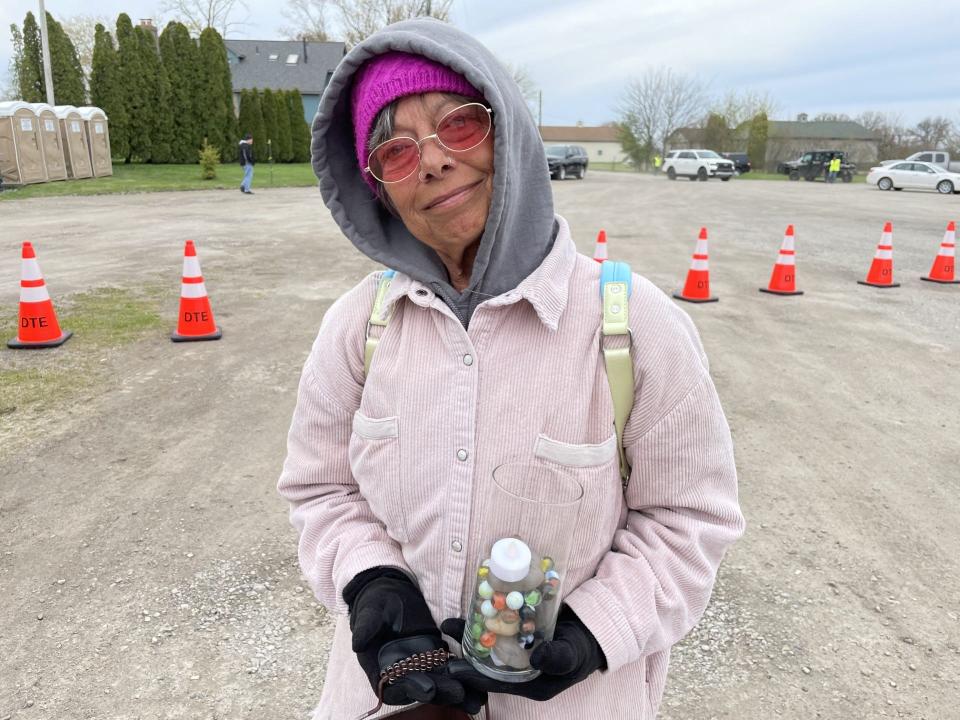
<point x="812" y="56"/>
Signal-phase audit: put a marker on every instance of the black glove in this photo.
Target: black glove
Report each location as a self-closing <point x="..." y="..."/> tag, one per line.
<point x="390" y="620"/>
<point x="570" y="657"/>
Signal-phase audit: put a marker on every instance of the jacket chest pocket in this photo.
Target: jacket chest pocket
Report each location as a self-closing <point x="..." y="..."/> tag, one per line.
<point x="375" y="462"/>
<point x="595" y="467"/>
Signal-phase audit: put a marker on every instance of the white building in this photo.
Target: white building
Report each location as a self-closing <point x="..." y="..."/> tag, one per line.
<point x="601" y="143"/>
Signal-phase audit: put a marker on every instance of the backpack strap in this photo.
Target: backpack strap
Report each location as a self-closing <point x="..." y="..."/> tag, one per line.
<point x="377" y="319"/>
<point x="615" y="288"/>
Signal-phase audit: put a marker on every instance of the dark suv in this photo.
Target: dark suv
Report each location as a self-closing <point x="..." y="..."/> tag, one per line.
<point x="567" y="160"/>
<point x="814" y="164"/>
<point x="741" y="162"/>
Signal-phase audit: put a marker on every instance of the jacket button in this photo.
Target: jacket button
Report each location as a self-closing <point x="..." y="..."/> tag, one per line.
<point x="457" y="547"/>
<point x="468" y="359"/>
<point x="462" y="454"/>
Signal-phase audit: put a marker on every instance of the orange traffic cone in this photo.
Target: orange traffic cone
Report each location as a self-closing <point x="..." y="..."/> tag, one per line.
<point x="600" y="252"/>
<point x="944" y="264"/>
<point x="38" y="326"/>
<point x="196" y="317"/>
<point x="697" y="287"/>
<point x="783" y="281"/>
<point x="881" y="269"/>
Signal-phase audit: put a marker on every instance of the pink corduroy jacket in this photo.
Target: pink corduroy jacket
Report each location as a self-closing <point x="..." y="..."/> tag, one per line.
<point x="395" y="468"/>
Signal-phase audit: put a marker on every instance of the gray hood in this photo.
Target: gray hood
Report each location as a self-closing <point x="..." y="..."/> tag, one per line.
<point x="520" y="227"/>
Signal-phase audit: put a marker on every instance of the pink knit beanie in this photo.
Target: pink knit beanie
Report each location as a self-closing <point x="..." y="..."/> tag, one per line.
<point x="390" y="76"/>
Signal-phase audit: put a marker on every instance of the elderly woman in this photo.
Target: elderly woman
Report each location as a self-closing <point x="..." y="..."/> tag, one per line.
<point x="431" y="164"/>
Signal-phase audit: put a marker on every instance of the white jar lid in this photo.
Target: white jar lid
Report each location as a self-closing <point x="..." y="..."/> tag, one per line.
<point x="510" y="559"/>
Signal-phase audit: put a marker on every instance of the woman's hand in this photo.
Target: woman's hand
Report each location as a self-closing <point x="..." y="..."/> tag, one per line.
<point x="570" y="657"/>
<point x="390" y="620"/>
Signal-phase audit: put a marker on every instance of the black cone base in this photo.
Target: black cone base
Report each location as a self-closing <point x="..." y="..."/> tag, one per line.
<point x="678" y="296"/>
<point x="17" y="344"/>
<point x="942" y="282"/>
<point x="877" y="285"/>
<point x="197" y="338"/>
<point x="781" y="292"/>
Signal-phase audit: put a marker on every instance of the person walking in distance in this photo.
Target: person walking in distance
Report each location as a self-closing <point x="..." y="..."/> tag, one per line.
<point x="247" y="163"/>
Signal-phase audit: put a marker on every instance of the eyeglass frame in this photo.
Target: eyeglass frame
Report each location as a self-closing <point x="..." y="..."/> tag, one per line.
<point x="422" y="140"/>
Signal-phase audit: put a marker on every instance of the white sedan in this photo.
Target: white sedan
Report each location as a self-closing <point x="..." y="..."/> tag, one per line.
<point x="916" y="176"/>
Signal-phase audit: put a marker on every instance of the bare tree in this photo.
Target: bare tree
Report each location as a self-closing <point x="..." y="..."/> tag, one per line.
<point x="200" y="14"/>
<point x="361" y="18"/>
<point x="831" y="117"/>
<point x="81" y="29"/>
<point x="528" y="88"/>
<point x="933" y="133"/>
<point x="660" y="102"/>
<point x="308" y="20"/>
<point x="738" y="107"/>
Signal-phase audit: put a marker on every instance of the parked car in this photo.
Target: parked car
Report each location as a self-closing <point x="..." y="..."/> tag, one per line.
<point x="697" y="165"/>
<point x="934" y="157"/>
<point x="813" y="164"/>
<point x="741" y="162"/>
<point x="566" y="160"/>
<point x="914" y="175"/>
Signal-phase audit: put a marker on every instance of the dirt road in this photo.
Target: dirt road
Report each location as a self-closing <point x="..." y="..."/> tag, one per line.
<point x="147" y="567"/>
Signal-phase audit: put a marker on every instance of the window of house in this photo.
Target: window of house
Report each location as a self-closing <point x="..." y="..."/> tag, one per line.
<point x="273" y="56"/>
<point x="599" y="152"/>
<point x="292" y="59"/>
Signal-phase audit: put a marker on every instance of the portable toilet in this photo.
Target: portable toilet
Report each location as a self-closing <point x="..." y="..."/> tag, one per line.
<point x="98" y="139"/>
<point x="51" y="141"/>
<point x="21" y="149"/>
<point x="76" y="154"/>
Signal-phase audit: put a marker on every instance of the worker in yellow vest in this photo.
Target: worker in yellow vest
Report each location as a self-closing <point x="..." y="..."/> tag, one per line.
<point x="657" y="162"/>
<point x="834" y="168"/>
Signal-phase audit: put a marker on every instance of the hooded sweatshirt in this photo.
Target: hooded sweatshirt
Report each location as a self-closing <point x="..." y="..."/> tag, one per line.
<point x="520" y="227"/>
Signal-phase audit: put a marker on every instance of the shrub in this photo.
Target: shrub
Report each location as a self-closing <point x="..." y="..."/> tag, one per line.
<point x="209" y="159"/>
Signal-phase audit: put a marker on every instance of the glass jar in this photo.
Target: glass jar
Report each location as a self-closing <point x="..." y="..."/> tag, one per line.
<point x="525" y="535"/>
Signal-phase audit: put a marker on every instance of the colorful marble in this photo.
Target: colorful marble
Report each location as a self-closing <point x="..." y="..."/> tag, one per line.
<point x="488" y="639"/>
<point x="484" y="590"/>
<point x="476" y="630"/>
<point x="515" y="600"/>
<point x="533" y="598"/>
<point x="483" y="572"/>
<point x="488" y="609"/>
<point x="546" y="563"/>
<point x="552" y="575"/>
<point x="499" y="600"/>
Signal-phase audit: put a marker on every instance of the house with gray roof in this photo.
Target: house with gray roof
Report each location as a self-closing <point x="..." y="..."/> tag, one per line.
<point x="283" y="65"/>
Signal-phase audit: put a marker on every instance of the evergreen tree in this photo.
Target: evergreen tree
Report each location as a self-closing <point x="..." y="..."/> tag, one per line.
<point x="179" y="54"/>
<point x="68" y="84"/>
<point x="283" y="145"/>
<point x="157" y="119"/>
<point x="218" y="124"/>
<point x="129" y="134"/>
<point x="16" y="60"/>
<point x="269" y="108"/>
<point x="299" y="130"/>
<point x="757" y="141"/>
<point x="104" y="83"/>
<point x="32" y="87"/>
<point x="251" y="120"/>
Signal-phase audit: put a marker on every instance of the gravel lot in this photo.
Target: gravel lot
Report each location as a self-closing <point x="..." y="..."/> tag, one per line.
<point x="147" y="566"/>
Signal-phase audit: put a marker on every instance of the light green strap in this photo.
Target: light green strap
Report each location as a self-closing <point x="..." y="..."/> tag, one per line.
<point x="376" y="318"/>
<point x="619" y="364"/>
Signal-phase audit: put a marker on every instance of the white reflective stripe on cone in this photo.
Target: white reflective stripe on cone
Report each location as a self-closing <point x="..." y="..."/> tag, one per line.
<point x="193" y="290"/>
<point x="30" y="270"/>
<point x="886" y="238"/>
<point x="947" y="251"/>
<point x="699" y="265"/>
<point x="701" y="248"/>
<point x="191" y="267"/>
<point x="787" y="243"/>
<point x="884" y="254"/>
<point x="950" y="237"/>
<point x="34" y="294"/>
<point x="787" y="260"/>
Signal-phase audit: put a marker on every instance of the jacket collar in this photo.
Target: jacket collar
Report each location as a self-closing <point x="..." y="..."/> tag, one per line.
<point x="546" y="288"/>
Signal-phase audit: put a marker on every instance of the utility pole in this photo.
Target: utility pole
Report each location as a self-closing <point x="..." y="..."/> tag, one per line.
<point x="45" y="44"/>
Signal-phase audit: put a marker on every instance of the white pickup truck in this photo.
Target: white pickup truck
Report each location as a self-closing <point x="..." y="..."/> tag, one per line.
<point x="934" y="157"/>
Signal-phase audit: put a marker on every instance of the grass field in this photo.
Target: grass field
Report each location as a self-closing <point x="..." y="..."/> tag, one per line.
<point x="156" y="178"/>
